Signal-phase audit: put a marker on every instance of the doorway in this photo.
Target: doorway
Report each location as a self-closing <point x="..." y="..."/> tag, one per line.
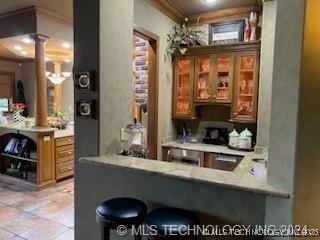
<point x="145" y="82"/>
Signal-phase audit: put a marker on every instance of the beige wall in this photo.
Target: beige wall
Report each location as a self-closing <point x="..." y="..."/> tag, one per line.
<point x="116" y="46"/>
<point x="307" y="177"/>
<point x="116" y="30"/>
<point x="11" y="67"/>
<point x="154" y="21"/>
<point x="266" y="73"/>
<point x="284" y="107"/>
<point x="29" y="81"/>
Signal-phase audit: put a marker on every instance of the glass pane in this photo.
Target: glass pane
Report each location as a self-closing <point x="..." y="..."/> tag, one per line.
<point x="183" y="91"/>
<point x="246" y="86"/>
<point x="223" y="78"/>
<point x="203" y="79"/>
<point x="4" y="105"/>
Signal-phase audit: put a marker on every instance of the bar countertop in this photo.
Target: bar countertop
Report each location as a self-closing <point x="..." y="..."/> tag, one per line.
<point x="239" y="179"/>
<point x="21" y="127"/>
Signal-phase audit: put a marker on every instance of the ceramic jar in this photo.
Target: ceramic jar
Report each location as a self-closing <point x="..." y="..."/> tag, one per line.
<point x="245" y="139"/>
<point x="234" y="138"/>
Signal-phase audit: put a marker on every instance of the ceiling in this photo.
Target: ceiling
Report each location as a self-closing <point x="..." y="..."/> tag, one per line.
<point x="191" y="7"/>
<point x="63" y="8"/>
<point x="54" y="49"/>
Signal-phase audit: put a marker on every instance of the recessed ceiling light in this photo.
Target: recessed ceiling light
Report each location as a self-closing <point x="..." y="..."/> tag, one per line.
<point x="27" y="40"/>
<point x="24" y="52"/>
<point x="67" y="60"/>
<point x="66" y="45"/>
<point x="17" y="47"/>
<point x="209" y="1"/>
<point x="47" y="59"/>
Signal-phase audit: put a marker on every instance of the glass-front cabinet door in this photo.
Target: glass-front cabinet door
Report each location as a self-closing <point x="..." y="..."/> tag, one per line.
<point x="246" y="81"/>
<point x="183" y="87"/>
<point x="203" y="79"/>
<point x="224" y="78"/>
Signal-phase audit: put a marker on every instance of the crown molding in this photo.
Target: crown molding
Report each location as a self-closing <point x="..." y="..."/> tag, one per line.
<point x="16" y="60"/>
<point x="223" y="15"/>
<point x="168" y="9"/>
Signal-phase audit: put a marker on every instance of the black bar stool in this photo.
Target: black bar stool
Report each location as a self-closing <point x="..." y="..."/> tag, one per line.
<point x="180" y="221"/>
<point x="120" y="211"/>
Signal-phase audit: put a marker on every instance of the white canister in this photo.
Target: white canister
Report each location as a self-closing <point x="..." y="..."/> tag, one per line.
<point x="243" y="142"/>
<point x="28" y="123"/>
<point x="246" y="133"/>
<point x="234" y="138"/>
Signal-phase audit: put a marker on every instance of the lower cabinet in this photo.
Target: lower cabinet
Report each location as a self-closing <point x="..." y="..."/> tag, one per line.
<point x="64" y="157"/>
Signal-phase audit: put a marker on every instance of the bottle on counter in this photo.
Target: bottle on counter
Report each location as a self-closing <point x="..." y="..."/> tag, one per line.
<point x="234" y="138"/>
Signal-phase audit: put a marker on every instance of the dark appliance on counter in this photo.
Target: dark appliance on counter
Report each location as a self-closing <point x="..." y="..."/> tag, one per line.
<point x="216" y="136"/>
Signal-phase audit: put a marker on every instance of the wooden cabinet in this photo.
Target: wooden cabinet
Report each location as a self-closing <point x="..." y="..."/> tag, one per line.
<point x="183" y="88"/>
<point x="213" y="78"/>
<point x="223" y="84"/>
<point x="225" y="74"/>
<point x="64" y="156"/>
<point x="203" y="79"/>
<point x="244" y="108"/>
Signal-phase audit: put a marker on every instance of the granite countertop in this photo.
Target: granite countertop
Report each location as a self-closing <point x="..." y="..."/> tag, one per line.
<point x="21" y="127"/>
<point x="63" y="133"/>
<point x="205" y="148"/>
<point x="239" y="179"/>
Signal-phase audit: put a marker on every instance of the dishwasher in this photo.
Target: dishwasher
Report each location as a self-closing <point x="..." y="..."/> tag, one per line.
<point x="186" y="157"/>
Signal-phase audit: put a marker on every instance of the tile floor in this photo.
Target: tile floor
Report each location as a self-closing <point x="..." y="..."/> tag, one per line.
<point x="36" y="215"/>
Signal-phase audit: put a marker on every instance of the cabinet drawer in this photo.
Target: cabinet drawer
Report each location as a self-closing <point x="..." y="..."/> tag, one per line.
<point x="64" y="153"/>
<point x="64" y="141"/>
<point x="64" y="169"/>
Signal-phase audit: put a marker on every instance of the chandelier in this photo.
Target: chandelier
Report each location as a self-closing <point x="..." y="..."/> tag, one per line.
<point x="57" y="78"/>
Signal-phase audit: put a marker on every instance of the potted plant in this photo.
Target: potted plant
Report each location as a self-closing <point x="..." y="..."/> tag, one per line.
<point x="181" y="37"/>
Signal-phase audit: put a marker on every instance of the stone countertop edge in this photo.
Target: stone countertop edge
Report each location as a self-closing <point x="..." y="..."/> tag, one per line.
<point x="239" y="179"/>
<point x="63" y="133"/>
<point x="18" y="127"/>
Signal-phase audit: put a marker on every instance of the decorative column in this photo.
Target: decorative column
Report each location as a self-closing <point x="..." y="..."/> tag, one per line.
<point x="41" y="80"/>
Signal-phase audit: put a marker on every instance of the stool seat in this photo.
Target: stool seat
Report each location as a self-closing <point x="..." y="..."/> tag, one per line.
<point x="126" y="211"/>
<point x="179" y="219"/>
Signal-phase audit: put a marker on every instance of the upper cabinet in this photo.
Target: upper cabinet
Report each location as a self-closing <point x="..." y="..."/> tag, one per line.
<point x="223" y="84"/>
<point x="226" y="74"/>
<point x="203" y="79"/>
<point x="183" y="88"/>
<point x="213" y="78"/>
<point x="244" y="108"/>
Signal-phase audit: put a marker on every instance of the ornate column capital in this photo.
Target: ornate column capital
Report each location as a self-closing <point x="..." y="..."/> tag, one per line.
<point x="39" y="37"/>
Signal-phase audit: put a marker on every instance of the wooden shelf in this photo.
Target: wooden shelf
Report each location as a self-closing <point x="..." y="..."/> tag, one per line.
<point x="223" y="88"/>
<point x="247" y="70"/>
<point x="19" y="158"/>
<point x="204" y="72"/>
<point x="183" y="73"/>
